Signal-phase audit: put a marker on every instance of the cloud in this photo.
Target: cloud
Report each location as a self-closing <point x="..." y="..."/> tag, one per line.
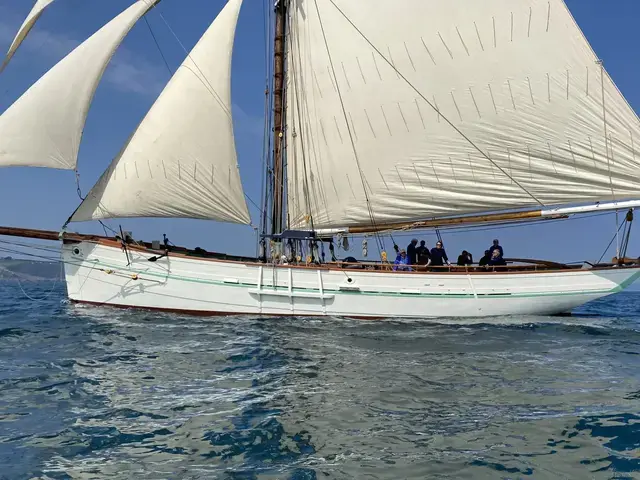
<point x="128" y="72"/>
<point x="131" y="73"/>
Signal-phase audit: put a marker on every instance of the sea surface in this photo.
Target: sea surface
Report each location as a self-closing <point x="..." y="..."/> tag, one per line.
<point x="99" y="393"/>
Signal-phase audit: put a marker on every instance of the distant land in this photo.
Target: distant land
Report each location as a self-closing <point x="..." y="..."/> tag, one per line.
<point x="12" y="269"/>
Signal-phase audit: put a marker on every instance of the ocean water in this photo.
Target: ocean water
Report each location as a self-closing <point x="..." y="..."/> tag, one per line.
<point x="99" y="393"/>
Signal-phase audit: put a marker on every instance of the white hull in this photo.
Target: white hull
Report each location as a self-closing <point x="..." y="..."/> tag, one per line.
<point x="98" y="274"/>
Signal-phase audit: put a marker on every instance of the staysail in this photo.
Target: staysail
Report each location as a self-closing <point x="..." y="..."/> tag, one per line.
<point x="413" y="109"/>
<point x="43" y="128"/>
<point x="181" y="160"/>
<point x="25" y="28"/>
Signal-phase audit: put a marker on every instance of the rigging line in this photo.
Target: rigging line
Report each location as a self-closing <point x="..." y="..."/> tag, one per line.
<point x="617" y="236"/>
<point x="446" y="119"/>
<point x="610" y="243"/>
<point x="212" y="90"/>
<point x="265" y="134"/>
<point x="266" y="30"/>
<point x="266" y="143"/>
<point x="254" y="204"/>
<point x="625" y="240"/>
<point x="46" y="295"/>
<point x="296" y="79"/>
<point x="296" y="61"/>
<point x="33" y="246"/>
<point x="344" y="112"/>
<point x="439" y="236"/>
<point x="34" y="255"/>
<point x="306" y="125"/>
<point x="79" y="192"/>
<point x="284" y="191"/>
<point x="624" y="234"/>
<point x="153" y="35"/>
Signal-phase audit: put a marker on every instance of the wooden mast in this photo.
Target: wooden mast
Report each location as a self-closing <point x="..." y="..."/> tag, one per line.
<point x="278" y="116"/>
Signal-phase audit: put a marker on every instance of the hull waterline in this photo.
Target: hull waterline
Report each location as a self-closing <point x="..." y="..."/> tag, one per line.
<point x="102" y="274"/>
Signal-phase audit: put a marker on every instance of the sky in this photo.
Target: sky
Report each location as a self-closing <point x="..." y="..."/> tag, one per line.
<point x="42" y="198"/>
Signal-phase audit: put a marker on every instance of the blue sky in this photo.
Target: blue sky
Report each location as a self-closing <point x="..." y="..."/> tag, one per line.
<point x="39" y="198"/>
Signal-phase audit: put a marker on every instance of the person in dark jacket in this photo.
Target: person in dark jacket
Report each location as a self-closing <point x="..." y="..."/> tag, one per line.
<point x="424" y="257"/>
<point x="484" y="261"/>
<point x="412" y="255"/>
<point x="439" y="256"/>
<point x="496" y="246"/>
<point x="465" y="258"/>
<point x="496" y="259"/>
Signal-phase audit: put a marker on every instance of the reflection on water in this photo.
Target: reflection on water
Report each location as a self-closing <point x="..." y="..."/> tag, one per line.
<point x="101" y="393"/>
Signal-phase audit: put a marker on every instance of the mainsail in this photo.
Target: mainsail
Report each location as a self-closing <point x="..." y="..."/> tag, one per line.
<point x="413" y="109"/>
<point x="43" y="128"/>
<point x="181" y="160"/>
<point x="25" y="28"/>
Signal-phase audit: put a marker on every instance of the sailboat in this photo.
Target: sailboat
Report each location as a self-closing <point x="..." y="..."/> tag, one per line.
<point x="386" y="116"/>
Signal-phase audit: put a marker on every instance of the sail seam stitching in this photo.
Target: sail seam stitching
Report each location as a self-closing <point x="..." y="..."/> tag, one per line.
<point x="446" y="119"/>
<point x="344" y="112"/>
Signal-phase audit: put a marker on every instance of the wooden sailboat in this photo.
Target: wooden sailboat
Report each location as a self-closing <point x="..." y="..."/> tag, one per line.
<point x="386" y="116"/>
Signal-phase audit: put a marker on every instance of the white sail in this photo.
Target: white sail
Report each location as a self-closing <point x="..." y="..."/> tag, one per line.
<point x="25" y="28"/>
<point x="181" y="160"/>
<point x="446" y="108"/>
<point x="43" y="128"/>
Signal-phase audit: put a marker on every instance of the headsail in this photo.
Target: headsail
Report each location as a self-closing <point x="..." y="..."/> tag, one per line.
<point x="448" y="108"/>
<point x="25" y="28"/>
<point x="181" y="160"/>
<point x="43" y="128"/>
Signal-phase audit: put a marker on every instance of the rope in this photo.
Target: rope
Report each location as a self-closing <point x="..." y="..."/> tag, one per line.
<point x="82" y="198"/>
<point x="626" y="235"/>
<point x="78" y="191"/>
<point x="611" y="242"/>
<point x="53" y="287"/>
<point x="617" y="236"/>
<point x="307" y="193"/>
<point x="471" y="142"/>
<point x="32" y="245"/>
<point x="607" y="153"/>
<point x="46" y="296"/>
<point x="153" y="35"/>
<point x="214" y="94"/>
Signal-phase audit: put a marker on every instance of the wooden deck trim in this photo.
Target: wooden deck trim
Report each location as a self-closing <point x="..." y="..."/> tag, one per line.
<point x="182" y="252"/>
<point x="503" y="270"/>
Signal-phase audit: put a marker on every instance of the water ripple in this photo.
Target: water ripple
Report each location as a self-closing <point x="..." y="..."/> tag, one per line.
<point x="102" y="393"/>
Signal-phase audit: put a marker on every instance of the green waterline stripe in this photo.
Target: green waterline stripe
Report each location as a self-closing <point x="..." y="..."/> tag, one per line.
<point x="616" y="289"/>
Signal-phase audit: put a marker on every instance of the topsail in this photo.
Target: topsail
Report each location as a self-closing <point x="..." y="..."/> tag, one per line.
<point x="181" y="160"/>
<point x="25" y="28"/>
<point x="43" y="128"/>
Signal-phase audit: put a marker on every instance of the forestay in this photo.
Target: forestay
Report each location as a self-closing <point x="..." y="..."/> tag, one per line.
<point x="448" y="108"/>
<point x="25" y="28"/>
<point x="181" y="161"/>
<point x="43" y="128"/>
